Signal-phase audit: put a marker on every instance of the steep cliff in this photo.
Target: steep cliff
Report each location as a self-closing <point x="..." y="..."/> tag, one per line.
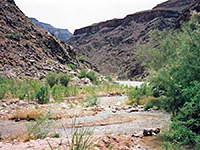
<point x="62" y="34"/>
<point x="28" y="50"/>
<point x="111" y="45"/>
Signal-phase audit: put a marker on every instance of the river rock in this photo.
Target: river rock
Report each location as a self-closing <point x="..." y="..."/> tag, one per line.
<point x="22" y="103"/>
<point x="150" y="132"/>
<point x="155" y="108"/>
<point x="133" y="110"/>
<point x="86" y="81"/>
<point x="138" y="135"/>
<point x="106" y="141"/>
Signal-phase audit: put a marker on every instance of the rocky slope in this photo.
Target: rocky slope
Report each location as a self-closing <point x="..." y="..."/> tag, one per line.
<point x="62" y="34"/>
<point x="111" y="45"/>
<point x="28" y="50"/>
<point x="187" y="12"/>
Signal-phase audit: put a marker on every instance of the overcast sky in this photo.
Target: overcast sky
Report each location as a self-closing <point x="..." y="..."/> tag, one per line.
<point x="75" y="14"/>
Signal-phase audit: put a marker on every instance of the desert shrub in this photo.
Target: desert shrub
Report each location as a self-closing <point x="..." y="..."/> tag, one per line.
<point x="41" y="128"/>
<point x="153" y="102"/>
<point x="14" y="36"/>
<point x="185" y="129"/>
<point x="3" y="90"/>
<point x="91" y="101"/>
<point x="74" y="90"/>
<point x="57" y="92"/>
<point x="93" y="77"/>
<point x="81" y="59"/>
<point x="174" y="63"/>
<point x="23" y="90"/>
<point x="42" y="95"/>
<point x="63" y="79"/>
<point x="137" y="93"/>
<point x="13" y="87"/>
<point x="83" y="74"/>
<point x="109" y="78"/>
<point x="81" y="138"/>
<point x="52" y="79"/>
<point x="72" y="66"/>
<point x="90" y="75"/>
<point x="2" y="80"/>
<point x="175" y="67"/>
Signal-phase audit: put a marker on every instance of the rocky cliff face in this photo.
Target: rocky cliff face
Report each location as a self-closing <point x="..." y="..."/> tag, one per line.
<point x="187" y="12"/>
<point x="28" y="50"/>
<point x="111" y="45"/>
<point x="62" y="34"/>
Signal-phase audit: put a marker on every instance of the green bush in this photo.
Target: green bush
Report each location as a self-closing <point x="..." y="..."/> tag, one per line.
<point x="41" y="128"/>
<point x="175" y="67"/>
<point x="42" y="95"/>
<point x="153" y="102"/>
<point x="174" y="63"/>
<point x="57" y="92"/>
<point x="14" y="36"/>
<point x="83" y="74"/>
<point x="23" y="90"/>
<point x="13" y="87"/>
<point x="3" y="90"/>
<point x="91" y="101"/>
<point x="90" y="75"/>
<point x="81" y="59"/>
<point x="81" y="138"/>
<point x="72" y="66"/>
<point x="185" y="129"/>
<point x="3" y="80"/>
<point x="63" y="79"/>
<point x="109" y="78"/>
<point x="93" y="77"/>
<point x="136" y="94"/>
<point x="52" y="79"/>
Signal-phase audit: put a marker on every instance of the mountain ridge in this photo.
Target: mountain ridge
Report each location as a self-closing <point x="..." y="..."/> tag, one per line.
<point x="62" y="34"/>
<point x="111" y="45"/>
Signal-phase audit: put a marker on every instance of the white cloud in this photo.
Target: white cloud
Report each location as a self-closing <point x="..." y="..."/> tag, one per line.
<point x="74" y="14"/>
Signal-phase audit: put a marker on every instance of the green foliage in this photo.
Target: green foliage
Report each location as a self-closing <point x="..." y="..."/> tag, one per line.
<point x="2" y="80"/>
<point x="81" y="138"/>
<point x="90" y="75"/>
<point x="57" y="92"/>
<point x="63" y="79"/>
<point x="73" y="90"/>
<point x="109" y="78"/>
<point x="83" y="74"/>
<point x="136" y="94"/>
<point x="153" y="102"/>
<point x="57" y="135"/>
<point x="91" y="101"/>
<point x="14" y="36"/>
<point x="81" y="59"/>
<point x="176" y="61"/>
<point x="52" y="79"/>
<point x="41" y="128"/>
<point x="93" y="77"/>
<point x="185" y="129"/>
<point x="3" y="90"/>
<point x="72" y="66"/>
<point x="175" y="68"/>
<point x="23" y="90"/>
<point x="42" y="95"/>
